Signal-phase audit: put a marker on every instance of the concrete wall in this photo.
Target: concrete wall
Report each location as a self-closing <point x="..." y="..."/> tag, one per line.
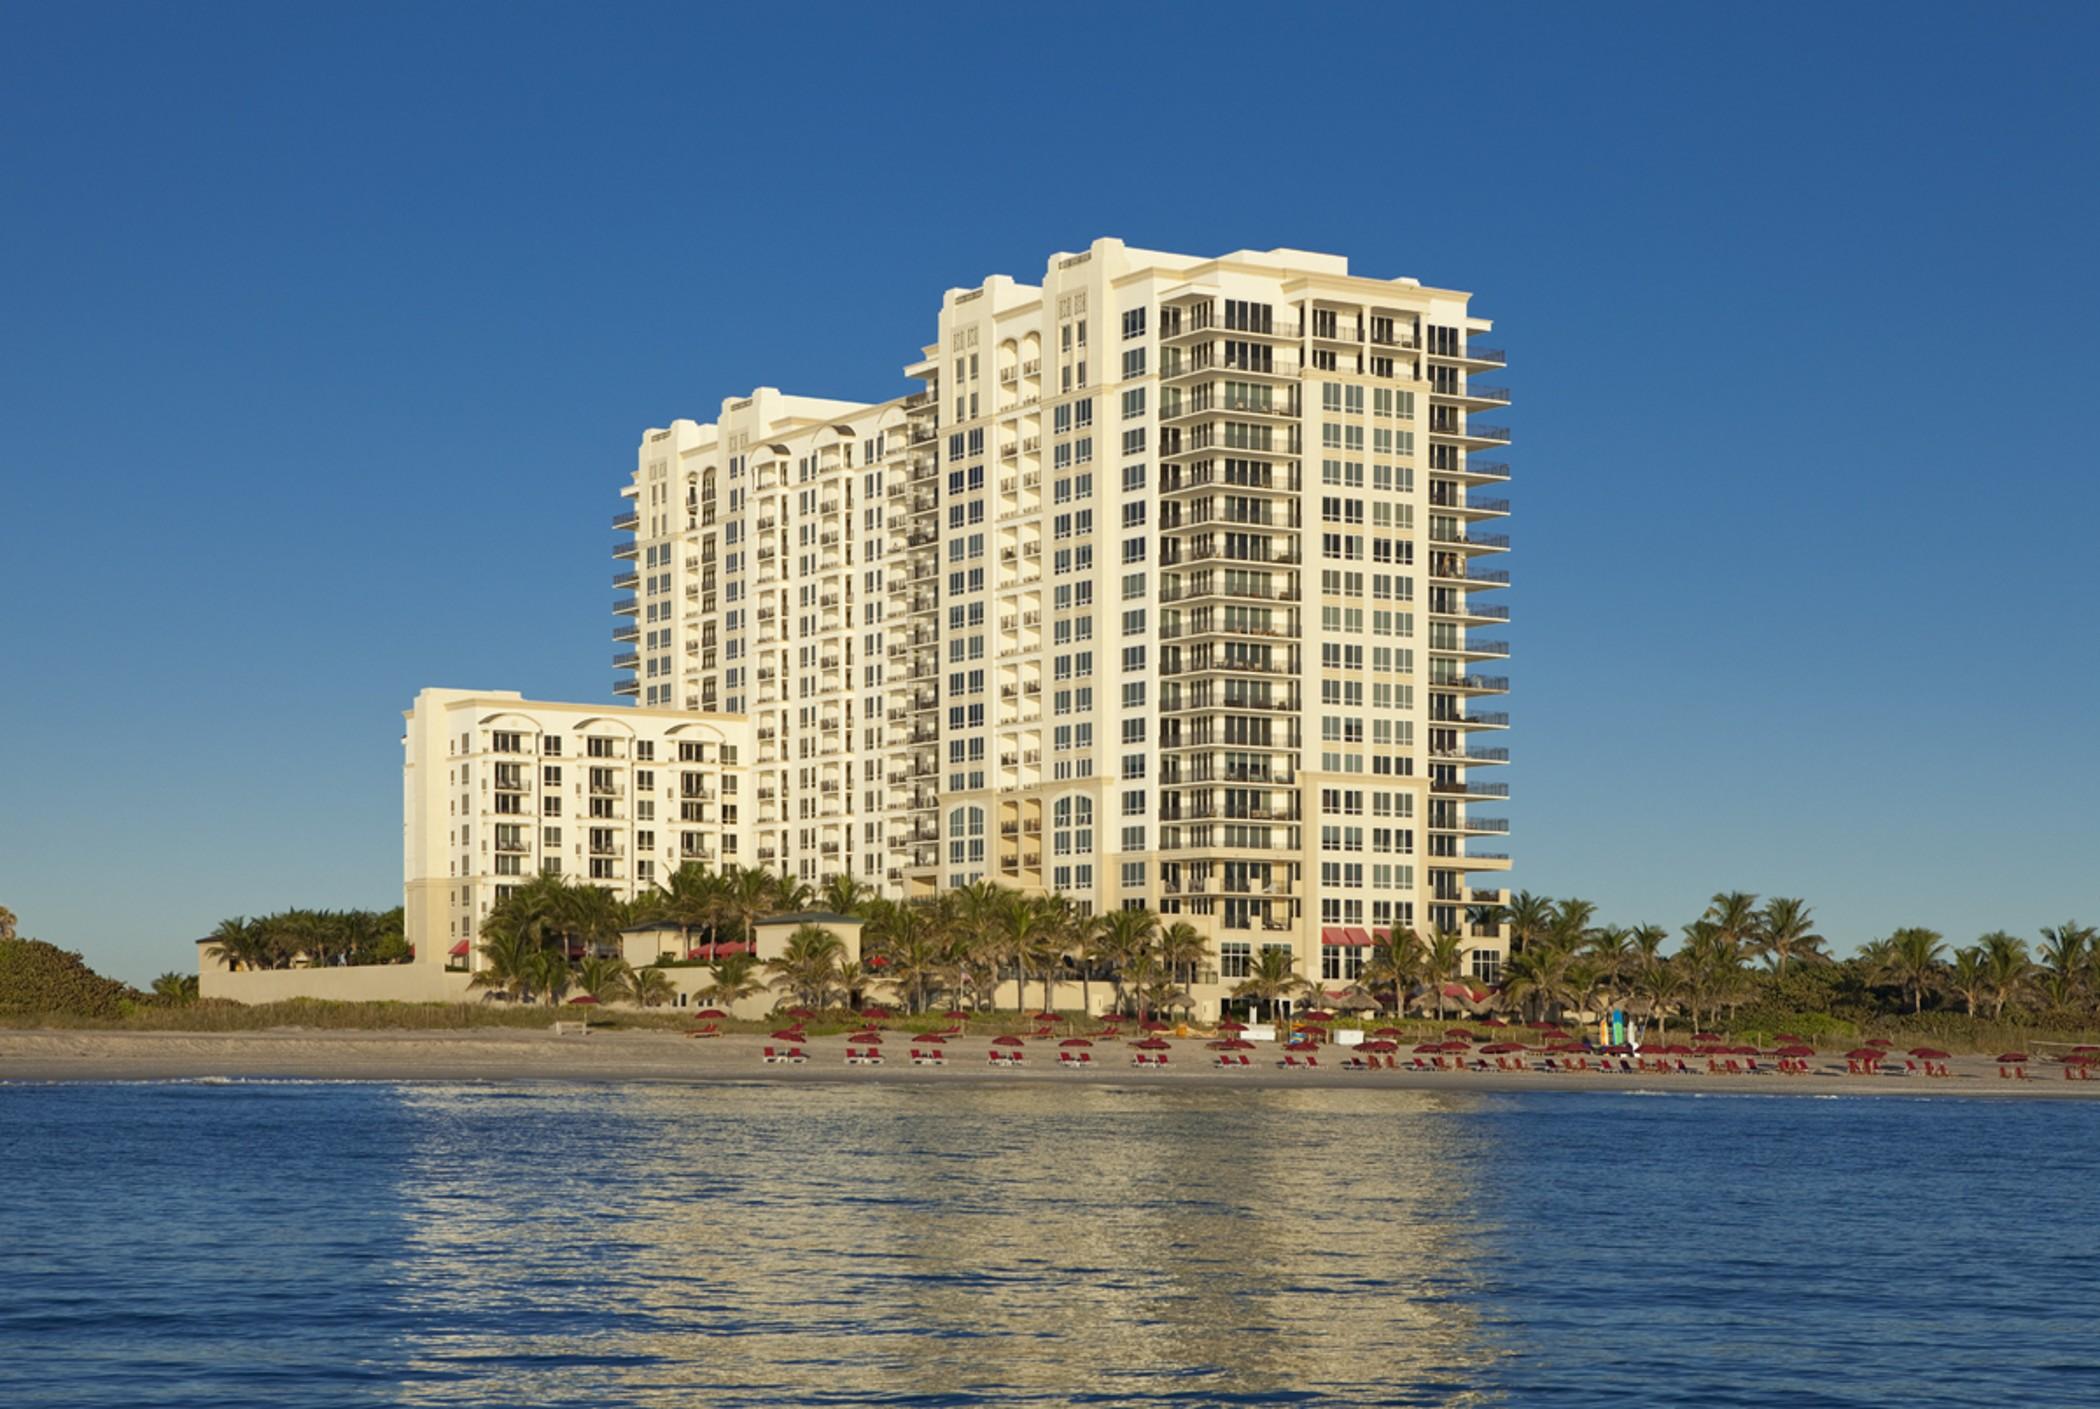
<point x="365" y="983"/>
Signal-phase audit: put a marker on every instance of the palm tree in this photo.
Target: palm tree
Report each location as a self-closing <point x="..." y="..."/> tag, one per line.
<point x="1658" y="982"/>
<point x="1122" y="936"/>
<point x="2006" y="967"/>
<point x="808" y="967"/>
<point x="748" y="897"/>
<point x="1913" y="957"/>
<point x="1443" y="959"/>
<point x="735" y="978"/>
<point x="1530" y="917"/>
<point x="603" y="979"/>
<point x="1785" y="932"/>
<point x="691" y="899"/>
<point x="240" y="944"/>
<point x="8" y="923"/>
<point x="650" y="986"/>
<point x="1270" y="979"/>
<point x="903" y="937"/>
<point x="1393" y="964"/>
<point x="507" y="958"/>
<point x="1022" y="925"/>
<point x="1967" y="977"/>
<point x="843" y="895"/>
<point x="1182" y="950"/>
<point x="1538" y="975"/>
<point x="175" y="988"/>
<point x="1734" y="917"/>
<point x="2068" y="954"/>
<point x="548" y="973"/>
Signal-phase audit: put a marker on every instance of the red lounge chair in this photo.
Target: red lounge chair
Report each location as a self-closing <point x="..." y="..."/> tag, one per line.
<point x="1086" y="1059"/>
<point x="771" y="1056"/>
<point x="706" y="1030"/>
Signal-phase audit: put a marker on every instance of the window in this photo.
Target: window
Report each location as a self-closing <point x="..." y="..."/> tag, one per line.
<point x="1133" y="323"/>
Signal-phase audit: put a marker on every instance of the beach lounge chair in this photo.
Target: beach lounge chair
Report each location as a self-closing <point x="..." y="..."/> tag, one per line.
<point x="1289" y="1062"/>
<point x="1086" y="1059"/>
<point x="706" y="1030"/>
<point x="928" y="1057"/>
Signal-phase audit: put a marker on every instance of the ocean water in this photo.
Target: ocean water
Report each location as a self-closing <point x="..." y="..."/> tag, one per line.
<point x="312" y="1244"/>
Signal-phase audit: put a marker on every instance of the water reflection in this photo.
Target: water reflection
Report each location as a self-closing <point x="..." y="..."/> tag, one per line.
<point x="752" y="1245"/>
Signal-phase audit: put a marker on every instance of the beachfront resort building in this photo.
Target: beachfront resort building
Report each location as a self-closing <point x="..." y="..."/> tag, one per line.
<point x="1170" y="583"/>
<point x="496" y="789"/>
<point x="1165" y="587"/>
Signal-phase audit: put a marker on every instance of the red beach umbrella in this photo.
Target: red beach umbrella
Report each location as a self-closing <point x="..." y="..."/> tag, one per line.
<point x="1378" y="1045"/>
<point x="1429" y="1046"/>
<point x="710" y="1013"/>
<point x="865" y="1035"/>
<point x="1155" y="1025"/>
<point x="1318" y="1015"/>
<point x="804" y="1013"/>
<point x="1542" y="1026"/>
<point x="1793" y="1037"/>
<point x="874" y="1014"/>
<point x="1046" y="1017"/>
<point x="1007" y="1041"/>
<point x="582" y="1000"/>
<point x="1389" y="1032"/>
<point x="791" y="1034"/>
<point x="1232" y="1027"/>
<point x="1459" y="1032"/>
<point x="1494" y="1022"/>
<point x="1794" y="1050"/>
<point x="1865" y="1054"/>
<point x="1237" y="1044"/>
<point x="1497" y="1049"/>
<point x="1883" y="1042"/>
<point x="2011" y="1057"/>
<point x="1301" y="1046"/>
<point x="1152" y="1044"/>
<point x="1929" y="1053"/>
<point x="956" y="1013"/>
<point x="1075" y="1042"/>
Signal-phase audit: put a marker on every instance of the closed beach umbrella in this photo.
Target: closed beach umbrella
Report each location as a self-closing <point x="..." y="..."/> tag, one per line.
<point x="1075" y="1042"/>
<point x="1007" y="1041"/>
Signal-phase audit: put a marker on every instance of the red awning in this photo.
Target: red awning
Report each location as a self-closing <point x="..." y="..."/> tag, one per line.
<point x="1332" y="934"/>
<point x="459" y="950"/>
<point x="1340" y="937"/>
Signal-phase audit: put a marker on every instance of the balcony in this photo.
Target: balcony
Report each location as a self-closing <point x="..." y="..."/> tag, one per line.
<point x="627" y="661"/>
<point x="1469" y="789"/>
<point x="1472" y="684"/>
<point x="1471" y="719"/>
<point x="627" y="631"/>
<point x="626" y="606"/>
<point x="627" y="548"/>
<point x="627" y="522"/>
<point x="1472" y="356"/>
<point x="1471" y="542"/>
<point x="627" y="686"/>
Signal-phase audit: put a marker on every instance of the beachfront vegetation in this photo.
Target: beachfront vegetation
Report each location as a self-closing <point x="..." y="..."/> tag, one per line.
<point x="38" y="978"/>
<point x="311" y="939"/>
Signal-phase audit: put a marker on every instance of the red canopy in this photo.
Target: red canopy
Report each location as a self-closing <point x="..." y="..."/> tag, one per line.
<point x="1494" y="1022"/>
<point x="1152" y="1044"/>
<point x="1075" y="1042"/>
<point x="1007" y="1041"/>
<point x="459" y="950"/>
<point x="1458" y="1032"/>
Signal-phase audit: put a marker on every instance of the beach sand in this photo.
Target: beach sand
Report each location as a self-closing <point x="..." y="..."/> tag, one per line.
<point x="511" y="1054"/>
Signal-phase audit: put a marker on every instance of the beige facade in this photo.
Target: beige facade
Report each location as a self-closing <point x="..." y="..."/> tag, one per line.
<point x="497" y="788"/>
<point x="1163" y="589"/>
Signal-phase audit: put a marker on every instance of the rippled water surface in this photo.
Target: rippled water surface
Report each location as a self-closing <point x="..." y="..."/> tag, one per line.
<point x="316" y="1244"/>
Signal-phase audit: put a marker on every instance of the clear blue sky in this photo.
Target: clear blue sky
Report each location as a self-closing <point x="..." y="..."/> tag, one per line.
<point x="326" y="336"/>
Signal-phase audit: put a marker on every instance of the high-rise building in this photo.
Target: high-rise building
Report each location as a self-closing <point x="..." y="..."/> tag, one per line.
<point x="1161" y="590"/>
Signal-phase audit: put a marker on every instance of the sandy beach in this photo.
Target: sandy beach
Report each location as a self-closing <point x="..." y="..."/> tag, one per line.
<point x="527" y="1055"/>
